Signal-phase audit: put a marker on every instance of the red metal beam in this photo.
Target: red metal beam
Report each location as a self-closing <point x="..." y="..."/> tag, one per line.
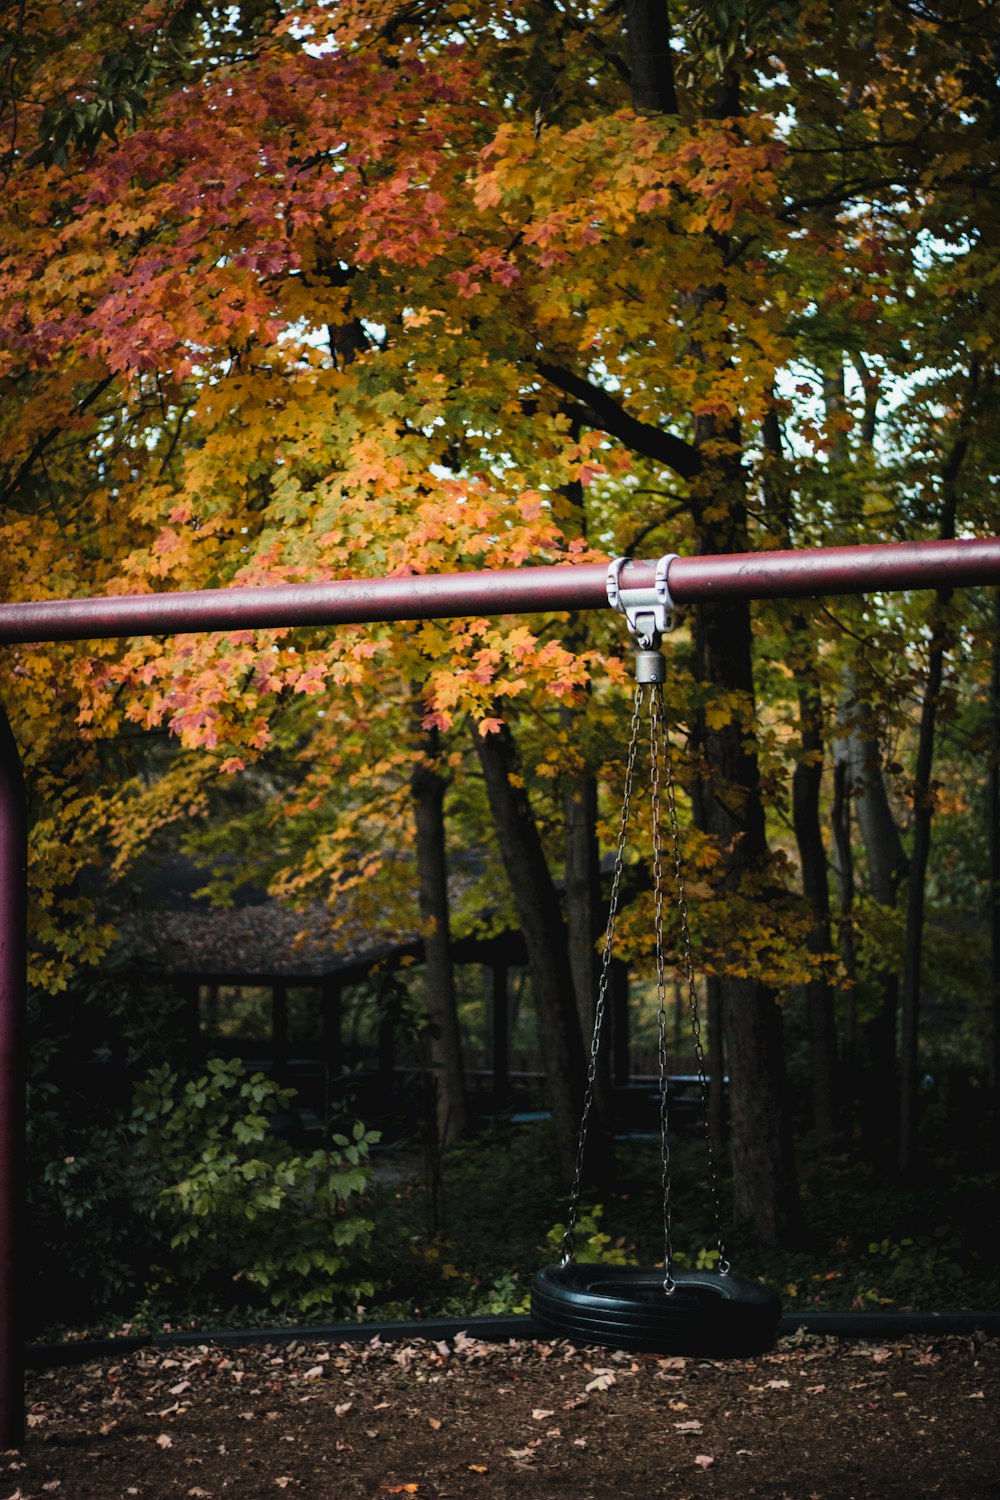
<point x="692" y="580"/>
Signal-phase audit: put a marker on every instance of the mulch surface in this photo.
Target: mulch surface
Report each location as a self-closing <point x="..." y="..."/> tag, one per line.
<point x="814" y="1420"/>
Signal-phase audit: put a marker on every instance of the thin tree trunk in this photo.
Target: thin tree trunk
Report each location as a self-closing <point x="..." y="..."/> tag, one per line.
<point x="857" y="750"/>
<point x="858" y="747"/>
<point x="923" y="811"/>
<point x="582" y="891"/>
<point x="807" y="781"/>
<point x="540" y="916"/>
<point x="806" y="786"/>
<point x="840" y="818"/>
<point x="923" y="802"/>
<point x="582" y="858"/>
<point x="427" y="790"/>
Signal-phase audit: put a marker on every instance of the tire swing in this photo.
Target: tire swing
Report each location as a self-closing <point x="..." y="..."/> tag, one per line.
<point x="652" y="1309"/>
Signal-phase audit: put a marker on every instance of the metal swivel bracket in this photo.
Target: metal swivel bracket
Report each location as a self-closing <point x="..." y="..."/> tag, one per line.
<point x="649" y="611"/>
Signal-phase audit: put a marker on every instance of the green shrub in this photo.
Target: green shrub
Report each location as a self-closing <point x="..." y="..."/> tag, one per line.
<point x="94" y="1229"/>
<point x="239" y="1204"/>
<point x="592" y="1246"/>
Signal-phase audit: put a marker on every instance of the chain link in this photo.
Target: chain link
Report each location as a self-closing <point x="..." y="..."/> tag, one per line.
<point x="569" y="1236"/>
<point x="688" y="967"/>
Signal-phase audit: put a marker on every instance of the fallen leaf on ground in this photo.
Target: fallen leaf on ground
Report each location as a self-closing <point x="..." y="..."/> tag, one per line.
<point x="694" y="1426"/>
<point x="541" y="1412"/>
<point x="478" y="1468"/>
<point x="704" y="1461"/>
<point x="401" y="1489"/>
<point x="435" y="1423"/>
<point x="164" y="1440"/>
<point x="601" y="1381"/>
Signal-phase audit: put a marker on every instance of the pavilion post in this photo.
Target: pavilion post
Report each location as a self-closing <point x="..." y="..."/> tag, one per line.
<point x="13" y="986"/>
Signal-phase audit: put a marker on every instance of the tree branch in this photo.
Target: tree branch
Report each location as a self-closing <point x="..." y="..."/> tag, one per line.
<point x="603" y="411"/>
<point x="43" y="440"/>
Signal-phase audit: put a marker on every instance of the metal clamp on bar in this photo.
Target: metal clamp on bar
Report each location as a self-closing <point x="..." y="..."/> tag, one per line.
<point x="649" y="611"/>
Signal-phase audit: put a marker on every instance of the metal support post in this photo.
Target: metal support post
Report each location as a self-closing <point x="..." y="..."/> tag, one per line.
<point x="13" y="981"/>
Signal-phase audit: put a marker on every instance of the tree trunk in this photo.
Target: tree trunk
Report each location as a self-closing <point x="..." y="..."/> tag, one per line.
<point x="856" y="749"/>
<point x="923" y="810"/>
<point x="806" y="785"/>
<point x="807" y="781"/>
<point x="427" y="790"/>
<point x="582" y="856"/>
<point x="717" y="1117"/>
<point x="766" y="1203"/>
<point x="765" y="1196"/>
<point x="540" y="916"/>
<point x="840" y="818"/>
<point x="650" y="57"/>
<point x="923" y="802"/>
<point x="583" y="876"/>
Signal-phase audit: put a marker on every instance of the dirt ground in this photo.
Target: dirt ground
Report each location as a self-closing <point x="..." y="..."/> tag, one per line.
<point x="814" y="1420"/>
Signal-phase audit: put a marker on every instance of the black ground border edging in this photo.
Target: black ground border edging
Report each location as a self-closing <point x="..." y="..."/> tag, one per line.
<point x="490" y="1330"/>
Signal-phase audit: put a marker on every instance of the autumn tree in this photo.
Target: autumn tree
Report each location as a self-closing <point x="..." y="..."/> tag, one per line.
<point x="313" y="291"/>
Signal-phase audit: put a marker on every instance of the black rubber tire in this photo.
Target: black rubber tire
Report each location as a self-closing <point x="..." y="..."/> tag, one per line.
<point x="708" y="1314"/>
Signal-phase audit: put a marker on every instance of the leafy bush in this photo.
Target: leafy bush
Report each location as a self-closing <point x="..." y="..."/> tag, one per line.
<point x="592" y="1246"/>
<point x="239" y="1204"/>
<point x="93" y="1223"/>
<point x="187" y="1198"/>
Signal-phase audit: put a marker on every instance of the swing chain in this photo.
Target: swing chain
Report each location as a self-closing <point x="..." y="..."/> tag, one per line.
<point x="689" y="977"/>
<point x="569" y="1235"/>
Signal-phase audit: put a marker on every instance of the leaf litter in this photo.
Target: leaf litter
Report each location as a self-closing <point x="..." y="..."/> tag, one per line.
<point x="437" y="1419"/>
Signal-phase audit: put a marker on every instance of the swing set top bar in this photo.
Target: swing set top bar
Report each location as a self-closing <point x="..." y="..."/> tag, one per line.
<point x="692" y="580"/>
